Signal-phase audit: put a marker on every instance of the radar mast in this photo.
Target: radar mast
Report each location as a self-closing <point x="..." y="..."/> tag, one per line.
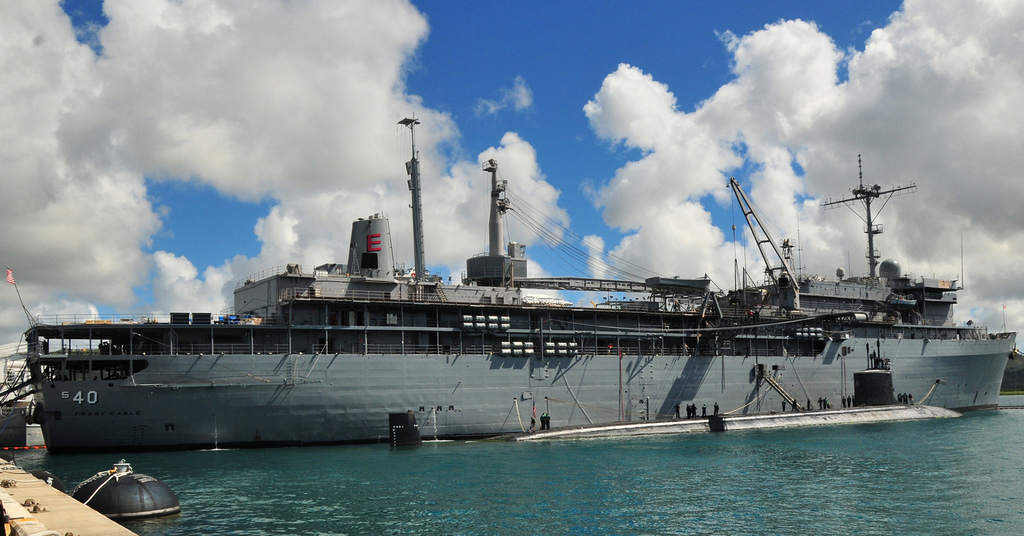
<point x="412" y="167"/>
<point x="866" y="194"/>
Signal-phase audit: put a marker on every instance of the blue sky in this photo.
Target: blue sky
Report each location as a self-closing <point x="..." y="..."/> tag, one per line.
<point x="562" y="50"/>
<point x="565" y="49"/>
<point x="169" y="148"/>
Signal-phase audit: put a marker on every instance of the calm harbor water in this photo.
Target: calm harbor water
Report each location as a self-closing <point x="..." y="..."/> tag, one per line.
<point x="945" y="476"/>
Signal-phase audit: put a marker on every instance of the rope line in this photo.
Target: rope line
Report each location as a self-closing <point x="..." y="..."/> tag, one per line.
<point x="759" y="397"/>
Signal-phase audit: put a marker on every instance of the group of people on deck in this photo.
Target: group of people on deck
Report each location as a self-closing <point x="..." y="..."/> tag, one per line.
<point x="823" y="403"/>
<point x="691" y="410"/>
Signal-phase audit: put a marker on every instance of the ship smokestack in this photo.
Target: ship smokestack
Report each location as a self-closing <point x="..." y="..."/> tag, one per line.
<point x="370" y="253"/>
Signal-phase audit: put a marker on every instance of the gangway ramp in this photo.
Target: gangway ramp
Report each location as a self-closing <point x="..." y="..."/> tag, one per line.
<point x="774" y="382"/>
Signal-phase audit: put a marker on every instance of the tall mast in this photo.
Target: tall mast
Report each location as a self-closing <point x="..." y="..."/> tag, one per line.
<point x="867" y="194"/>
<point x="497" y="268"/>
<point x="498" y="207"/>
<point x="412" y="167"/>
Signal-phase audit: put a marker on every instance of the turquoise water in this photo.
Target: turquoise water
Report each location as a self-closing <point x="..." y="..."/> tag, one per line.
<point x="945" y="476"/>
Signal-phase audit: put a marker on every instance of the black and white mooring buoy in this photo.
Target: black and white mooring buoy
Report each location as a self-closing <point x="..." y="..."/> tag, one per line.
<point x="121" y="493"/>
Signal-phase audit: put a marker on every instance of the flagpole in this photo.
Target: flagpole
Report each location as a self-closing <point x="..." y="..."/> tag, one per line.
<point x="10" y="279"/>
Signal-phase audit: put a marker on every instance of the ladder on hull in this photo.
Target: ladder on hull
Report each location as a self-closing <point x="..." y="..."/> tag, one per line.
<point x="772" y="381"/>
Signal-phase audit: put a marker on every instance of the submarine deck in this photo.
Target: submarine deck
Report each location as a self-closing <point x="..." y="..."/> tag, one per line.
<point x="742" y="422"/>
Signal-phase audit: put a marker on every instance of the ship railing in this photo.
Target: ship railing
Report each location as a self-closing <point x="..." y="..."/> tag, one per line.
<point x="396" y="295"/>
<point x="769" y="352"/>
<point x="231" y="348"/>
<point x="217" y="349"/>
<point x="178" y="349"/>
<point x="424" y="349"/>
<point x="488" y="349"/>
<point x="67" y="319"/>
<point x="274" y="271"/>
<point x="319" y="293"/>
<point x="101" y="319"/>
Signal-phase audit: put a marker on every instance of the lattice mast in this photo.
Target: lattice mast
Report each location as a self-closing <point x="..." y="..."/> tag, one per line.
<point x="866" y="194"/>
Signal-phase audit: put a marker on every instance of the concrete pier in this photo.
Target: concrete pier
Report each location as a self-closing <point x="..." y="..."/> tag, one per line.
<point x="744" y="422"/>
<point x="48" y="511"/>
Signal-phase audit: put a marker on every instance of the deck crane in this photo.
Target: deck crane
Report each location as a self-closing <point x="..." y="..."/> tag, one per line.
<point x="782" y="276"/>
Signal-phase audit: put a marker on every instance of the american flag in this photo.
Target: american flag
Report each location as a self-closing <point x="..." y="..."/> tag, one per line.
<point x="10" y="276"/>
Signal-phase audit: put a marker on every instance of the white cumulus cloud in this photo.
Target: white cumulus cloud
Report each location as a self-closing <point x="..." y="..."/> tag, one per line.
<point x="931" y="100"/>
<point x="519" y="97"/>
<point x="291" y="102"/>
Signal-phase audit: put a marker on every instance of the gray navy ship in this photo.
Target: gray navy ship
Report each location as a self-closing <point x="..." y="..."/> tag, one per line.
<point x="324" y="354"/>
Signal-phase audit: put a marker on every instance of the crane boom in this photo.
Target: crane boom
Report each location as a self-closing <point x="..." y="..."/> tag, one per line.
<point x="782" y="276"/>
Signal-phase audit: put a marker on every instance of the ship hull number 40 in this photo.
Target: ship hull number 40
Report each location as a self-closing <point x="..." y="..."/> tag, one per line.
<point x="90" y="397"/>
